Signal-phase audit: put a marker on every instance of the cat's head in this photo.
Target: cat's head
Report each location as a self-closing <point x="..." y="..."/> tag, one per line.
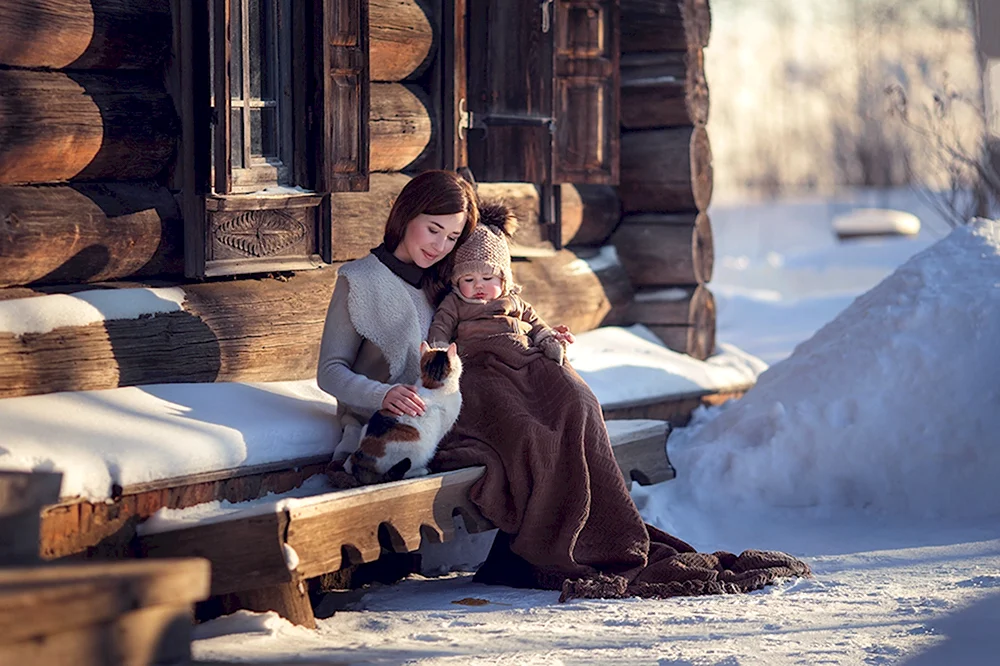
<point x="439" y="366"/>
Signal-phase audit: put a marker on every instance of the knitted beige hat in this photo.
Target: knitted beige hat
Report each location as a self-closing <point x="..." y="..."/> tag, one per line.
<point x="486" y="248"/>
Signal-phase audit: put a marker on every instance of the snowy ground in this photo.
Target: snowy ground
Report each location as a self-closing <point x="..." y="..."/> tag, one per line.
<point x="891" y="498"/>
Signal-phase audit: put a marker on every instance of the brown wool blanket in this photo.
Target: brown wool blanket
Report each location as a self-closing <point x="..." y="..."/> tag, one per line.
<point x="553" y="488"/>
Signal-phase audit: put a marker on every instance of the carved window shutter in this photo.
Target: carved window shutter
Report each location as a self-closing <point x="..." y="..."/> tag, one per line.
<point x="341" y="107"/>
<point x="586" y="91"/>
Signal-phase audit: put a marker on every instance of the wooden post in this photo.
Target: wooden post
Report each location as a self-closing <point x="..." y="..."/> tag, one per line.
<point x="289" y="600"/>
<point x="22" y="496"/>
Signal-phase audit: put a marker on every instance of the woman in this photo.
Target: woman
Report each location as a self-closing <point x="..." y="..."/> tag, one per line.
<point x="551" y="485"/>
<point x="382" y="304"/>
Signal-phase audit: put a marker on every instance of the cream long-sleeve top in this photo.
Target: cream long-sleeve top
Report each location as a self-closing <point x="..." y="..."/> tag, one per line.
<point x="371" y="339"/>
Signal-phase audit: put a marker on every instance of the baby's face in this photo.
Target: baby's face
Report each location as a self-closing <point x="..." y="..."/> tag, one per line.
<point x="480" y="286"/>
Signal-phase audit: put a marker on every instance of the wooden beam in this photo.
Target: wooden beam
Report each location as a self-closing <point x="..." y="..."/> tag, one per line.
<point x="664" y="25"/>
<point x="582" y="289"/>
<point x="697" y="340"/>
<point x="666" y="170"/>
<point x="75" y="527"/>
<point x="135" y="34"/>
<point x="640" y="450"/>
<point x="677" y="409"/>
<point x="666" y="250"/>
<point x="85" y="34"/>
<point x="672" y="306"/>
<point x="401" y="39"/>
<point x="289" y="600"/>
<point x="663" y="89"/>
<point x="84" y="126"/>
<point x="130" y="612"/>
<point x="88" y="232"/>
<point x="401" y="127"/>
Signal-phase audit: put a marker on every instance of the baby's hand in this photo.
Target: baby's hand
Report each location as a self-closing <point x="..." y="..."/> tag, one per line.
<point x="552" y="348"/>
<point x="562" y="334"/>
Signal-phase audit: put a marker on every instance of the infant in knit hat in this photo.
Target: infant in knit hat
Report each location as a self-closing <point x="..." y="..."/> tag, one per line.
<point x="484" y="302"/>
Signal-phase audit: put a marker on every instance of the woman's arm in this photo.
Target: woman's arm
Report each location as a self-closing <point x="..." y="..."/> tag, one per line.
<point x="338" y="353"/>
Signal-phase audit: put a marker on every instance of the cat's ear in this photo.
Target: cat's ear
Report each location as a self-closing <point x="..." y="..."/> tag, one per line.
<point x="424" y="347"/>
<point x="452" y="349"/>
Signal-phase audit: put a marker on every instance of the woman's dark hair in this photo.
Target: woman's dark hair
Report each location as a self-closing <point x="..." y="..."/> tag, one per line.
<point x="433" y="193"/>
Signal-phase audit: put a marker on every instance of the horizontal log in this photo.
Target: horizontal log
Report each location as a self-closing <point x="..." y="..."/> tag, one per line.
<point x="245" y="330"/>
<point x="88" y="232"/>
<point x="400" y="126"/>
<point x="666" y="250"/>
<point x="135" y="34"/>
<point x="401" y="39"/>
<point x="663" y="89"/>
<point x="582" y="289"/>
<point x="60" y="127"/>
<point x="85" y="34"/>
<point x="589" y="213"/>
<point x="695" y="341"/>
<point x="664" y="25"/>
<point x="666" y="170"/>
<point x="56" y="127"/>
<point x="673" y="306"/>
<point x="249" y="330"/>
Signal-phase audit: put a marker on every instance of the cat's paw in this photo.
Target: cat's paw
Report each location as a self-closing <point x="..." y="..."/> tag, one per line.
<point x="419" y="471"/>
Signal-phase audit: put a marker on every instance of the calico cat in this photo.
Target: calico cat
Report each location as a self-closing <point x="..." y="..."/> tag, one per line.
<point x="396" y="447"/>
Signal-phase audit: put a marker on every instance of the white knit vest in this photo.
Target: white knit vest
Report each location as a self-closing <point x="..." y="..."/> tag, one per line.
<point x="390" y="313"/>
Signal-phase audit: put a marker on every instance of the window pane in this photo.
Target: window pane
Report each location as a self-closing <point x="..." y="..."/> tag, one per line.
<point x="269" y="131"/>
<point x="263" y="51"/>
<point x="236" y="58"/>
<point x="254" y="18"/>
<point x="236" y="138"/>
<point x="256" y="145"/>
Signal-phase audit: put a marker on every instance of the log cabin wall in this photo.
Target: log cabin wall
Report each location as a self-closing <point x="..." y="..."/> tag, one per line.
<point x="665" y="238"/>
<point x="88" y="200"/>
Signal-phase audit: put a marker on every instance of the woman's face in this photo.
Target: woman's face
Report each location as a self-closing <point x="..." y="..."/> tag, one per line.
<point x="429" y="238"/>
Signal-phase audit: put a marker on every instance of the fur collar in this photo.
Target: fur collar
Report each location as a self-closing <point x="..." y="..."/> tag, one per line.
<point x="390" y="313"/>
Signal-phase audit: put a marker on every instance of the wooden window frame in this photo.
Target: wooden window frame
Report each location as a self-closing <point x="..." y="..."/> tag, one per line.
<point x="230" y="229"/>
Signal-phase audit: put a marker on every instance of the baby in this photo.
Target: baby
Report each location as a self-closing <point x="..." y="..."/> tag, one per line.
<point x="484" y="303"/>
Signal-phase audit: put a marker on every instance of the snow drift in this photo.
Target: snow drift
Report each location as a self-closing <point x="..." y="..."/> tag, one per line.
<point x="893" y="407"/>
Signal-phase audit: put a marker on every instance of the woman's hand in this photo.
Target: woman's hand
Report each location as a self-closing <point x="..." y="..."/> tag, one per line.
<point x="562" y="334"/>
<point x="403" y="399"/>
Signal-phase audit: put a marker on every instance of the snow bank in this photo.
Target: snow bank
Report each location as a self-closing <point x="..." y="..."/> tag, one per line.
<point x="894" y="406"/>
<point x="134" y="435"/>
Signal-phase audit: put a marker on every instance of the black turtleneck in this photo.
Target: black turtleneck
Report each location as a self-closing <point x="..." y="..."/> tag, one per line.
<point x="409" y="273"/>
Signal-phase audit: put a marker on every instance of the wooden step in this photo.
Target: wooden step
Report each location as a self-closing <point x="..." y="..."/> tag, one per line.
<point x="640" y="449"/>
<point x="303" y="538"/>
